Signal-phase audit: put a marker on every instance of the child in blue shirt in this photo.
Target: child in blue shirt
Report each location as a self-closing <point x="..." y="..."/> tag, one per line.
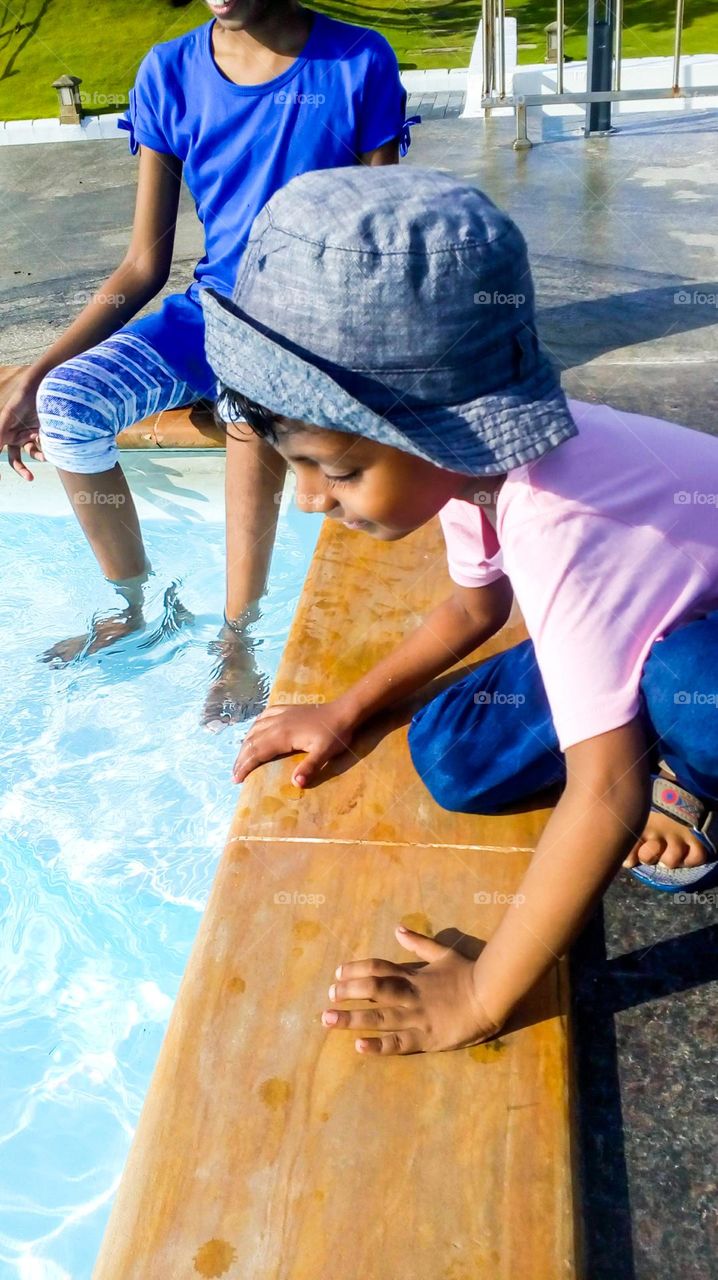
<point x="263" y="91"/>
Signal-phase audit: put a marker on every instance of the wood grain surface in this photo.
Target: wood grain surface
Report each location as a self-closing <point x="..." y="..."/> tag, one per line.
<point x="267" y="1147"/>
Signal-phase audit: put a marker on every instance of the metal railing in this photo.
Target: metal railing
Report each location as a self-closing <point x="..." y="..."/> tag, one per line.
<point x="493" y="88"/>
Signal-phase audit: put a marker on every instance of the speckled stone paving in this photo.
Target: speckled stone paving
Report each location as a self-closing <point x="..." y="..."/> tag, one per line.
<point x="621" y="231"/>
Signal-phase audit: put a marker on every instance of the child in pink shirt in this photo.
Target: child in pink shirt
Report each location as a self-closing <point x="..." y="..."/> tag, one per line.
<point x="381" y="335"/>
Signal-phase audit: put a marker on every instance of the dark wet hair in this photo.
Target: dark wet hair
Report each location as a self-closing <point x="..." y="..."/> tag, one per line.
<point x="232" y="407"/>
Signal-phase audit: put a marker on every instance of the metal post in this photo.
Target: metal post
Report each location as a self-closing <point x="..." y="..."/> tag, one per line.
<point x="559" y="45"/>
<point x="487" y="18"/>
<point x="598" y="68"/>
<point x="618" y="44"/>
<point x="501" y="49"/>
<point x="678" y="36"/>
<point x="522" y="142"/>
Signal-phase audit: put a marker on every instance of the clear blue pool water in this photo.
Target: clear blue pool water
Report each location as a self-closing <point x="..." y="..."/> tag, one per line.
<point x="114" y="807"/>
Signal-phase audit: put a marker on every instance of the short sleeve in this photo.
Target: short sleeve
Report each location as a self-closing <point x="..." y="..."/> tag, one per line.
<point x="383" y="100"/>
<point x="142" y="119"/>
<point x="472" y="549"/>
<point x="592" y="595"/>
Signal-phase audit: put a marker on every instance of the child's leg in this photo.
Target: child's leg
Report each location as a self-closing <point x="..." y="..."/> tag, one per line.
<point x="680" y="691"/>
<point x="82" y="405"/>
<point x="679" y="688"/>
<point x="488" y="741"/>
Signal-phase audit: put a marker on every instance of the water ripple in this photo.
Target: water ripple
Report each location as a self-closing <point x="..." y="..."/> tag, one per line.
<point x="114" y="807"/>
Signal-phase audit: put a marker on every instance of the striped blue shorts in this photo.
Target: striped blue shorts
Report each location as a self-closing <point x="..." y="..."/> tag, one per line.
<point x="150" y="364"/>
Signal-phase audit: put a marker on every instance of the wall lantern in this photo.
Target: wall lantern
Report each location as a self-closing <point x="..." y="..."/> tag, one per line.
<point x="552" y="41"/>
<point x="70" y="102"/>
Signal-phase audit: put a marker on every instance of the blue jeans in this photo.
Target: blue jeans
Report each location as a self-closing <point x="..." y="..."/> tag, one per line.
<point x="489" y="742"/>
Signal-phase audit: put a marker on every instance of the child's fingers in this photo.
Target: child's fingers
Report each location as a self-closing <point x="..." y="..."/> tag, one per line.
<point x="265" y="742"/>
<point x="369" y="969"/>
<point x="386" y="990"/>
<point x="310" y="766"/>
<point x="409" y="1041"/>
<point x="247" y="760"/>
<point x="15" y="460"/>
<point x="393" y="1019"/>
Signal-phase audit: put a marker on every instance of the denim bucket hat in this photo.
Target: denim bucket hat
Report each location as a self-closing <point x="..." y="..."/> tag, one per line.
<point x="395" y="303"/>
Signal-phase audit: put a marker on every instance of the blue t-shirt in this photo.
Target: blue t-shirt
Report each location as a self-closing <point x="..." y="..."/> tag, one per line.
<point x="241" y="143"/>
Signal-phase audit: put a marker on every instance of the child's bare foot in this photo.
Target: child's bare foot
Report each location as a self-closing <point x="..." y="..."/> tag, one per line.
<point x="105" y="631"/>
<point x="239" y="690"/>
<point x="668" y="842"/>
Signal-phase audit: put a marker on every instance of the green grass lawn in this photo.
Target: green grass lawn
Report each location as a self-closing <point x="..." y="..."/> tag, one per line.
<point x="103" y="41"/>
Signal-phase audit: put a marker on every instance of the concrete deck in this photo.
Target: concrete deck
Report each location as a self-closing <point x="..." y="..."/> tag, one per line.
<point x="623" y="241"/>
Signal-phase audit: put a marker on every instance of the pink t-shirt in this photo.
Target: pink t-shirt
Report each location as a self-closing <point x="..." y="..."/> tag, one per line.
<point x="609" y="541"/>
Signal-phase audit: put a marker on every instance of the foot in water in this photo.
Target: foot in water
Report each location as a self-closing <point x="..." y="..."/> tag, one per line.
<point x="108" y="629"/>
<point x="238" y="689"/>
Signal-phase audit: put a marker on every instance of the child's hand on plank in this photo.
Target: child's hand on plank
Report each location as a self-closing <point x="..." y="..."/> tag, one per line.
<point x="320" y="730"/>
<point x="419" y="1008"/>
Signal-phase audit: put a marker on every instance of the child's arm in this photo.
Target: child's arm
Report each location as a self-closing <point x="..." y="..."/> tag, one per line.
<point x="143" y="271"/>
<point x="454" y="1001"/>
<point x="595" y="824"/>
<point x="386" y="154"/>
<point x="450" y="632"/>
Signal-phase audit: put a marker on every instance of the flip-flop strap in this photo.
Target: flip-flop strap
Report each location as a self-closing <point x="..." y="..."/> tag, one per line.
<point x="674" y="800"/>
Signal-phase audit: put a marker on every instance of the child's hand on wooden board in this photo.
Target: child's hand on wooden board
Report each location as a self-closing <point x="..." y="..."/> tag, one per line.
<point x="320" y="730"/>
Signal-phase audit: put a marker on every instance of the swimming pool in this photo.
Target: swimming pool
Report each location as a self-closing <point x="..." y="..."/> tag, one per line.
<point x="114" y="807"/>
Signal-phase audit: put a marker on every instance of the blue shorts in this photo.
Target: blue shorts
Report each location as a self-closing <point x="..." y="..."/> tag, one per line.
<point x="489" y="742"/>
<point x="176" y="333"/>
<point x="150" y="364"/>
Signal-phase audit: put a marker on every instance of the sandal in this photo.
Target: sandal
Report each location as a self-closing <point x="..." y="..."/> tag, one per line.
<point x="671" y="798"/>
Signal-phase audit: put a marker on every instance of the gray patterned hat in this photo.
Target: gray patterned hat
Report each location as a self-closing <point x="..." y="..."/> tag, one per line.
<point x="395" y="303"/>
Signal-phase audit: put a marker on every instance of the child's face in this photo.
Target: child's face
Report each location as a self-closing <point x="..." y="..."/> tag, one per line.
<point x="372" y="487"/>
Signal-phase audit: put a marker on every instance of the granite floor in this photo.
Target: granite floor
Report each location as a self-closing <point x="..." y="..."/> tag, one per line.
<point x="623" y="233"/>
<point x="623" y="236"/>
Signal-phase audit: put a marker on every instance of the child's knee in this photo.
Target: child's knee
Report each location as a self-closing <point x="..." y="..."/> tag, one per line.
<point x="78" y="426"/>
<point x="450" y="769"/>
<point x="680" y="691"/>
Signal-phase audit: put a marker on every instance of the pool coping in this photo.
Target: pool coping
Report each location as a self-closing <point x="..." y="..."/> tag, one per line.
<point x="244" y="1155"/>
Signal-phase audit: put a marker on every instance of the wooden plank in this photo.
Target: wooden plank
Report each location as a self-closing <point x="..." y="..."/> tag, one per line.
<point x="267" y="1147"/>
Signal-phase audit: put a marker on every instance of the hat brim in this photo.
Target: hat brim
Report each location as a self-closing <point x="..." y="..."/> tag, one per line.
<point x="489" y="435"/>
